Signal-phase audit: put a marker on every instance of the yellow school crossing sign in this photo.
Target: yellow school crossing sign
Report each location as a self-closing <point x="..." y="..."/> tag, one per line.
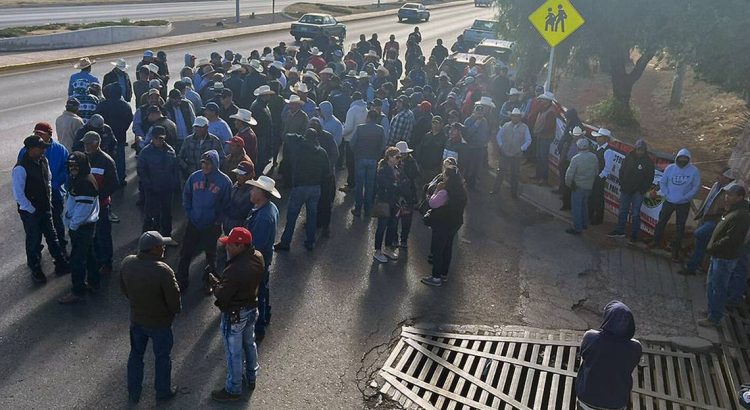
<point x="556" y="20"/>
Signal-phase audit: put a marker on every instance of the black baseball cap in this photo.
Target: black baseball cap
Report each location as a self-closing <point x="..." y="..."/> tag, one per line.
<point x="175" y="93"/>
<point x="153" y="108"/>
<point x="33" y="141"/>
<point x="158" y="131"/>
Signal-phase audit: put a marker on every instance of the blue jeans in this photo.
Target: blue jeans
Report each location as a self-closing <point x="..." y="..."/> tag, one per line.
<point x="120" y="161"/>
<point x="103" y="238"/>
<point x="542" y="158"/>
<point x="36" y="226"/>
<point x="388" y="228"/>
<point x="702" y="236"/>
<point x="630" y="203"/>
<point x="83" y="265"/>
<point x="239" y="338"/>
<point x="579" y="207"/>
<point x="161" y="342"/>
<point x="717" y="286"/>
<point x="738" y="281"/>
<point x="364" y="188"/>
<point x="307" y="196"/>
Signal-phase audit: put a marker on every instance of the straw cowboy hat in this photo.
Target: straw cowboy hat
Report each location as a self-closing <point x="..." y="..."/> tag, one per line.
<point x="487" y="101"/>
<point x="245" y="116"/>
<point x="263" y="90"/>
<point x="120" y="63"/>
<point x="300" y="88"/>
<point x="278" y="65"/>
<point x="233" y="68"/>
<point x="83" y="63"/>
<point x="294" y="99"/>
<point x="202" y="61"/>
<point x="372" y="53"/>
<point x="311" y="75"/>
<point x="267" y="184"/>
<point x="602" y="132"/>
<point x="255" y="65"/>
<point x="403" y="147"/>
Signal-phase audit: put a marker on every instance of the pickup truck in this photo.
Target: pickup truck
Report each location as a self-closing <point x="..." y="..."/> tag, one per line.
<point x="314" y="25"/>
<point x="503" y="51"/>
<point x="480" y="30"/>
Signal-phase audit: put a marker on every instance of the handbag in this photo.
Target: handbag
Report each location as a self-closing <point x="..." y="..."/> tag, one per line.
<point x="381" y="210"/>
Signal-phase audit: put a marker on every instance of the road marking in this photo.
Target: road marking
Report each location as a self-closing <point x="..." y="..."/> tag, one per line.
<point x="21" y="107"/>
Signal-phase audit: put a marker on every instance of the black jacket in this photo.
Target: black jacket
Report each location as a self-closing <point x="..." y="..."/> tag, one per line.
<point x="112" y="78"/>
<point x="729" y="235"/>
<point x="116" y="113"/>
<point x="238" y="288"/>
<point x="309" y="163"/>
<point x="108" y="139"/>
<point x="251" y="82"/>
<point x="636" y="174"/>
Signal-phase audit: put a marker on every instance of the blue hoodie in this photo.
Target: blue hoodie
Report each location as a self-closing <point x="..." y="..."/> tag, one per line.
<point x="330" y="123"/>
<point x="680" y="185"/>
<point x="206" y="196"/>
<point x="609" y="356"/>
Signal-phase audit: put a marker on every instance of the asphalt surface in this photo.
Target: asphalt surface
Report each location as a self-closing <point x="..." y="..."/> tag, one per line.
<point x="23" y="16"/>
<point x="334" y="310"/>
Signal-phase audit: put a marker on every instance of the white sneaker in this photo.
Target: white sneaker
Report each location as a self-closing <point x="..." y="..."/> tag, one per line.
<point x="378" y="256"/>
<point x="170" y="242"/>
<point x="391" y="254"/>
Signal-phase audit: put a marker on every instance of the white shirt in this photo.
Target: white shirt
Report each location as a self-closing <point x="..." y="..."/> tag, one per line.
<point x="609" y="157"/>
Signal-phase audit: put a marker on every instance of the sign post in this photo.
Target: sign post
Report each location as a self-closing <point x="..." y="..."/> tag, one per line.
<point x="555" y="20"/>
<point x="237" y="11"/>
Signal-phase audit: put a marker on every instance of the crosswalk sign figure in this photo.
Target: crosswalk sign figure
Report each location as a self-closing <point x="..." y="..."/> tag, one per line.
<point x="560" y="18"/>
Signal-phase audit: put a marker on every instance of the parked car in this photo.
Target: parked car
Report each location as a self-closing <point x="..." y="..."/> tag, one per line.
<point x="313" y="25"/>
<point x="413" y="11"/>
<point x="502" y="50"/>
<point x="480" y="30"/>
<point x="455" y="65"/>
<point x="482" y="3"/>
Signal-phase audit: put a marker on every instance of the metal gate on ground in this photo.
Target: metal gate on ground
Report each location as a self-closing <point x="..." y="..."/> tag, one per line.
<point x="535" y="369"/>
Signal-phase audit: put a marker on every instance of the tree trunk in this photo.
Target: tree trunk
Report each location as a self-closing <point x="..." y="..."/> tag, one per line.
<point x="675" y="97"/>
<point x="623" y="81"/>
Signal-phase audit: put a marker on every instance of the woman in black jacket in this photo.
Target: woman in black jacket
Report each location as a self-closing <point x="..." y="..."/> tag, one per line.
<point x="446" y="217"/>
<point x="386" y="205"/>
<point x="408" y="175"/>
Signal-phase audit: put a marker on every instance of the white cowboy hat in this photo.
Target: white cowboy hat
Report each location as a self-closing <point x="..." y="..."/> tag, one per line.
<point x="352" y="74"/>
<point x="234" y="68"/>
<point x="294" y="99"/>
<point x="516" y="111"/>
<point x="293" y="70"/>
<point x="372" y="53"/>
<point x="314" y="51"/>
<point x="278" y="65"/>
<point x="245" y="116"/>
<point x="487" y="101"/>
<point x="202" y="62"/>
<point x="383" y="70"/>
<point x="83" y="63"/>
<point x="300" y="88"/>
<point x="263" y="90"/>
<point x="363" y="74"/>
<point x="218" y="85"/>
<point x="514" y="91"/>
<point x="312" y="75"/>
<point x="153" y="68"/>
<point x="547" y="95"/>
<point x="267" y="58"/>
<point x="403" y="147"/>
<point x="292" y="48"/>
<point x="267" y="184"/>
<point x="309" y="67"/>
<point x="120" y="63"/>
<point x="255" y="65"/>
<point x="577" y="131"/>
<point x="602" y="132"/>
<point x="327" y="70"/>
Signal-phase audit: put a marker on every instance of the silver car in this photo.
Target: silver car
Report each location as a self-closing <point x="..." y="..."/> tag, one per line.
<point x="413" y="11"/>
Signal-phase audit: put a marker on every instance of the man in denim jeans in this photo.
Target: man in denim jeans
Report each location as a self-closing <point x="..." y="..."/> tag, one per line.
<point x="636" y="177"/>
<point x="582" y="171"/>
<point x="236" y="296"/>
<point x="151" y="287"/>
<point x="725" y="249"/>
<point x="367" y="146"/>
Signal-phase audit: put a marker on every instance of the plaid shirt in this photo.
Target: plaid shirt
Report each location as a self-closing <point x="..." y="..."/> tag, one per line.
<point x="401" y="127"/>
<point x="190" y="153"/>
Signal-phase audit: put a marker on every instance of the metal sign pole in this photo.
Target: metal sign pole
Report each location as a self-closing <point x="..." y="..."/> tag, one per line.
<point x="273" y="11"/>
<point x="237" y="12"/>
<point x="550" y="68"/>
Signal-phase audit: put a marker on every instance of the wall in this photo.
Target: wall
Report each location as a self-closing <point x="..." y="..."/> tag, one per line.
<point x="83" y="38"/>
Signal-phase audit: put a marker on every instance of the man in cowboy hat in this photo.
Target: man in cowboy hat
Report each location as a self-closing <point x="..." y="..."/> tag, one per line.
<point x="276" y="72"/>
<point x="243" y="121"/>
<point x="606" y="157"/>
<point x="254" y="79"/>
<point x="234" y="81"/>
<point x="544" y="132"/>
<point x="203" y="74"/>
<point x="295" y="119"/>
<point x="636" y="178"/>
<point x="308" y="105"/>
<point x="263" y="222"/>
<point x="580" y="178"/>
<point x="316" y="59"/>
<point x="79" y="82"/>
<point x="513" y="139"/>
<point x="264" y="124"/>
<point x="477" y="134"/>
<point x="237" y="297"/>
<point x="513" y="102"/>
<point x="119" y="76"/>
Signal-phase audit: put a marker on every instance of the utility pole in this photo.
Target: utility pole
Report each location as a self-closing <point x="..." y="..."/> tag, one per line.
<point x="273" y="11"/>
<point x="550" y="68"/>
<point x="237" y="11"/>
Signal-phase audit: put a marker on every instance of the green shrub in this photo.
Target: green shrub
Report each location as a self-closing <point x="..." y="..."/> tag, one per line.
<point x="613" y="111"/>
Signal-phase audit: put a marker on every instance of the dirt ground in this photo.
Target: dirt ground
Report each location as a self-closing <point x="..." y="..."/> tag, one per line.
<point x="708" y="123"/>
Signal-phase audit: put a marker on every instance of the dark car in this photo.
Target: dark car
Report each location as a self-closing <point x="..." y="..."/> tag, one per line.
<point x="315" y="25"/>
<point x="482" y="3"/>
<point x="413" y="11"/>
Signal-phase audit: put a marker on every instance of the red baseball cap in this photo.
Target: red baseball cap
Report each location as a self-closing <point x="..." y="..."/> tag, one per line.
<point x="238" y="236"/>
<point x="237" y="140"/>
<point x="43" y="127"/>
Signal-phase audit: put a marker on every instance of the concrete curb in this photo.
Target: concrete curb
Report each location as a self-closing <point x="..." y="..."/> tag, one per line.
<point x="46" y="58"/>
<point x="83" y="38"/>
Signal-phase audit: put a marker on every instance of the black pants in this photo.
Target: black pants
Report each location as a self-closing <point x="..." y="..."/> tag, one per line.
<point x="158" y="210"/>
<point x="564" y="190"/>
<point x="404" y="220"/>
<point x="667" y="208"/>
<point x="349" y="165"/>
<point x="441" y="249"/>
<point x="57" y="210"/>
<point x="325" y="203"/>
<point x="36" y="226"/>
<point x="596" y="202"/>
<point x="471" y="165"/>
<point x="83" y="265"/>
<point x="194" y="241"/>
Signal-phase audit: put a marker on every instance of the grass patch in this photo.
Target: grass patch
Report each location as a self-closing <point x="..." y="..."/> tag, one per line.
<point x="615" y="112"/>
<point x="58" y="27"/>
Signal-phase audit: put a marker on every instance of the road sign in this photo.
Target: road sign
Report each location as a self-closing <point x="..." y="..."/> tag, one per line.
<point x="556" y="20"/>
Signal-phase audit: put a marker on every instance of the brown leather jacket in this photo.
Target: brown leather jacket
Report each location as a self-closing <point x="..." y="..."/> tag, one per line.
<point x="238" y="286"/>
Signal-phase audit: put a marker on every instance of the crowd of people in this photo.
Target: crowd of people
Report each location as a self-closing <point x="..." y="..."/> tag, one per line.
<point x="233" y="132"/>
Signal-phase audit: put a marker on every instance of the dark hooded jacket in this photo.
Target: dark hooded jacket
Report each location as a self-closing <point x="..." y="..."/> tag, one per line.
<point x="609" y="356"/>
<point x="636" y="173"/>
<point x="116" y="112"/>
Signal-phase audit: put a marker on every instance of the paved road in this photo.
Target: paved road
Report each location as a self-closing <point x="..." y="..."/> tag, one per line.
<point x="330" y="306"/>
<point x="22" y="16"/>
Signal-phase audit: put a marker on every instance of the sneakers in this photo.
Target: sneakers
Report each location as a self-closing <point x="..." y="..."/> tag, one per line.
<point x="432" y="281"/>
<point x="706" y="322"/>
<point x="114" y="218"/>
<point x="38" y="277"/>
<point x="390" y="254"/>
<point x="616" y="234"/>
<point x="280" y="247"/>
<point x="378" y="256"/>
<point x="69" y="299"/>
<point x="572" y="231"/>
<point x="169" y="396"/>
<point x="222" y="396"/>
<point x="169" y="241"/>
